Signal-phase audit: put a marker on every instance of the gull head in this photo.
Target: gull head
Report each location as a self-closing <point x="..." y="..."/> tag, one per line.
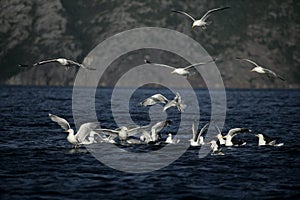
<point x="70" y="131"/>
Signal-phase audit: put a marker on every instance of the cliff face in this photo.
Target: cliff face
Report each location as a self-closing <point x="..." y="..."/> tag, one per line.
<point x="265" y="31"/>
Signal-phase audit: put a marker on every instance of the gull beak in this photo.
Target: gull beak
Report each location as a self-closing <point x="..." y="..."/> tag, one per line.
<point x="193" y="26"/>
<point x="66" y="131"/>
<point x="256" y="135"/>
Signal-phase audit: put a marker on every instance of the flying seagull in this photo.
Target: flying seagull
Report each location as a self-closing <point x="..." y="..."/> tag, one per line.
<point x="201" y="22"/>
<point x="82" y="134"/>
<point x="183" y="71"/>
<point x="262" y="70"/>
<point x="176" y="102"/>
<point x="266" y="140"/>
<point x="154" y="99"/>
<point x="65" y="62"/>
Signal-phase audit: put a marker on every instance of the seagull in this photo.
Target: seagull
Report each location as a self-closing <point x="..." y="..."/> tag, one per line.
<point x="183" y="71"/>
<point x="154" y="99"/>
<point x="262" y="70"/>
<point x="215" y="148"/>
<point x="176" y="102"/>
<point x="265" y="140"/>
<point x="197" y="139"/>
<point x="171" y="140"/>
<point x="201" y="22"/>
<point x="233" y="132"/>
<point x="81" y="135"/>
<point x="63" y="61"/>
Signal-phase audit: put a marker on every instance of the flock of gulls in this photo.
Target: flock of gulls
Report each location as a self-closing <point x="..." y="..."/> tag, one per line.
<point x="90" y="133"/>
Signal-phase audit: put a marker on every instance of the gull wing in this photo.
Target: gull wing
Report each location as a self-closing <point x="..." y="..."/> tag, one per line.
<point x="184" y="13"/>
<point x="218" y="129"/>
<point x="268" y="71"/>
<point x="61" y="121"/>
<point x="136" y="130"/>
<point x="248" y="60"/>
<point x="194" y="131"/>
<point x="160" y="98"/>
<point x="269" y="140"/>
<point x="169" y="105"/>
<point x="234" y="131"/>
<point x="24" y="65"/>
<point x="45" y="62"/>
<point x="154" y="99"/>
<point x="85" y="130"/>
<point x="163" y="65"/>
<point x="196" y="64"/>
<point x="208" y="13"/>
<point x="203" y="129"/>
<point x="160" y="125"/>
<point x="79" y="65"/>
<point x="157" y="64"/>
<point x="109" y="131"/>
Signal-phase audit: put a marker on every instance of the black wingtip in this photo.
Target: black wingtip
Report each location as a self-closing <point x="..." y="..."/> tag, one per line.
<point x="281" y="78"/>
<point x="23" y="65"/>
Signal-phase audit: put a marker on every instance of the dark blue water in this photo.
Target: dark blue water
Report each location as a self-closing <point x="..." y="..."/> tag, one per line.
<point x="37" y="162"/>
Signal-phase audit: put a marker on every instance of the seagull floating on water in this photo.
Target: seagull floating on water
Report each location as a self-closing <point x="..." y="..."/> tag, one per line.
<point x="176" y="102"/>
<point x="201" y="22"/>
<point x="63" y="61"/>
<point x="233" y="132"/>
<point x="261" y="70"/>
<point x="154" y="99"/>
<point x="197" y="139"/>
<point x="82" y="134"/>
<point x="265" y="140"/>
<point x="184" y="71"/>
<point x="171" y="140"/>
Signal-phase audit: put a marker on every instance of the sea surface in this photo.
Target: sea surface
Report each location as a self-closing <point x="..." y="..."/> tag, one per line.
<point x="37" y="162"/>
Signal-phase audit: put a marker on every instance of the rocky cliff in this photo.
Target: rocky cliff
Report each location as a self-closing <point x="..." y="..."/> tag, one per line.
<point x="265" y="31"/>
